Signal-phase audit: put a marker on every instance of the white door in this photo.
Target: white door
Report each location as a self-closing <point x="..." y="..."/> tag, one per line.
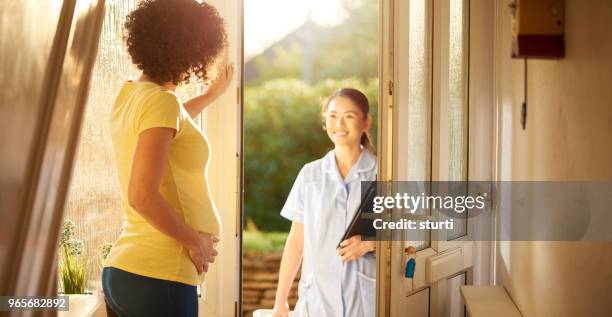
<point x="222" y="124"/>
<point x="427" y="44"/>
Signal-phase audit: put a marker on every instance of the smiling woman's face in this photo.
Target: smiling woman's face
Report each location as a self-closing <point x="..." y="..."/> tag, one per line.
<point x="344" y="122"/>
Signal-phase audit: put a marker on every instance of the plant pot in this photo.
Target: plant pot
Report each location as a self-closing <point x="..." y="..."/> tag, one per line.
<point x="84" y="305"/>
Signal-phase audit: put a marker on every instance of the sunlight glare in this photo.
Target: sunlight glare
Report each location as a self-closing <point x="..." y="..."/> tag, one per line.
<point x="268" y="21"/>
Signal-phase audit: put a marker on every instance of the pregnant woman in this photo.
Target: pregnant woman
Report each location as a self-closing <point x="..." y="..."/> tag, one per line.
<point x="335" y="282"/>
<point x="171" y="224"/>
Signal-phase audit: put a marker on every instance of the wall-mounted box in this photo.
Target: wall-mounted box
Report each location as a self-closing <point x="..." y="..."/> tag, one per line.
<point x="538" y="29"/>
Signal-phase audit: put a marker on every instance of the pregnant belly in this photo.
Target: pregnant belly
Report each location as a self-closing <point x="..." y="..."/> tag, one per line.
<point x="204" y="219"/>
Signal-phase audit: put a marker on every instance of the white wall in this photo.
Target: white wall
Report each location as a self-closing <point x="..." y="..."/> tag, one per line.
<point x="568" y="137"/>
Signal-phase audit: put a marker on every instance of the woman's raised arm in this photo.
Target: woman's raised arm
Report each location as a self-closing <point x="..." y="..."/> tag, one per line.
<point x="216" y="88"/>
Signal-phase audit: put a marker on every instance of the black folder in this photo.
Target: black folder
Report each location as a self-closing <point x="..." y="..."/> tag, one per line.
<point x="360" y="225"/>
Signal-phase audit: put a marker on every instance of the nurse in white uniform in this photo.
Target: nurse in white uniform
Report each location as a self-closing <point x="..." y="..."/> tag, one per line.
<point x="335" y="282"/>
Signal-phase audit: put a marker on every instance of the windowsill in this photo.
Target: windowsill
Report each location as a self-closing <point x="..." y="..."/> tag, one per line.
<point x="84" y="305"/>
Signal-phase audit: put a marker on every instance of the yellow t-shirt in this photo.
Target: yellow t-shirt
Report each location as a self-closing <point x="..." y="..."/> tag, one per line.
<point x="142" y="249"/>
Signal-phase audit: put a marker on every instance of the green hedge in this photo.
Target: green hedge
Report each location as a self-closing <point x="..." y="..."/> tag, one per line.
<point x="282" y="133"/>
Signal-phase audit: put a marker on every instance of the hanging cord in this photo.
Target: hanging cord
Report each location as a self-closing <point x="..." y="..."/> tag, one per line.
<point x="524" y="105"/>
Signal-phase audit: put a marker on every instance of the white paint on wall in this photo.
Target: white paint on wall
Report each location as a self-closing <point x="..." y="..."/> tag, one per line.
<point x="568" y="138"/>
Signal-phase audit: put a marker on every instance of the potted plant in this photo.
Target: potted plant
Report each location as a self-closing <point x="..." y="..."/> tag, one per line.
<point x="72" y="266"/>
<point x="73" y="274"/>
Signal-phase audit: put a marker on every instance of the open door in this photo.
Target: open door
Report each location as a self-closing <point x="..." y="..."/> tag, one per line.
<point x="222" y="123"/>
<point x="431" y="97"/>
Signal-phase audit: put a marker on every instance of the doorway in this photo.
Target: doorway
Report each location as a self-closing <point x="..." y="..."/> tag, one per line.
<point x="292" y="62"/>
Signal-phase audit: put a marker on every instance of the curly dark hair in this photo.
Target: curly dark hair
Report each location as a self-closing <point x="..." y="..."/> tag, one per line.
<point x="171" y="40"/>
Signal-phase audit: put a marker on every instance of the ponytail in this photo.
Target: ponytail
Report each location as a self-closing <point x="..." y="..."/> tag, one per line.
<point x="366" y="141"/>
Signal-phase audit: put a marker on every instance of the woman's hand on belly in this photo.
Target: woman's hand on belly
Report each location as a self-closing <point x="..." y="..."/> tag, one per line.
<point x="204" y="252"/>
<point x="354" y="248"/>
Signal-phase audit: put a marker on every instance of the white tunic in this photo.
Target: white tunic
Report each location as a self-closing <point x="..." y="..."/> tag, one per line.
<point x="325" y="204"/>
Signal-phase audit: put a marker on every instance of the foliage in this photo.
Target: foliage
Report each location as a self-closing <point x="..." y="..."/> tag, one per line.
<point x="105" y="250"/>
<point x="73" y="273"/>
<point x="283" y="61"/>
<point x="352" y="49"/>
<point x="72" y="265"/>
<point x="67" y="231"/>
<point x="284" y="89"/>
<point x="314" y="53"/>
<point x="263" y="241"/>
<point x="282" y="133"/>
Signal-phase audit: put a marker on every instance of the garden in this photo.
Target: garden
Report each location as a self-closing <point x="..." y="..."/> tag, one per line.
<point x="285" y="87"/>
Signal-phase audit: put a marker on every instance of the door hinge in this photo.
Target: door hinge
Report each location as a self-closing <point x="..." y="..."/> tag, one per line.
<point x="390" y="87"/>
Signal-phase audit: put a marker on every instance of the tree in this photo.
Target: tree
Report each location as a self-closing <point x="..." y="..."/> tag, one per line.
<point x="314" y="53"/>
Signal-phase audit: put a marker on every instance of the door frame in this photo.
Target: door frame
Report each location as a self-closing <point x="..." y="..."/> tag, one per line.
<point x="222" y="123"/>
